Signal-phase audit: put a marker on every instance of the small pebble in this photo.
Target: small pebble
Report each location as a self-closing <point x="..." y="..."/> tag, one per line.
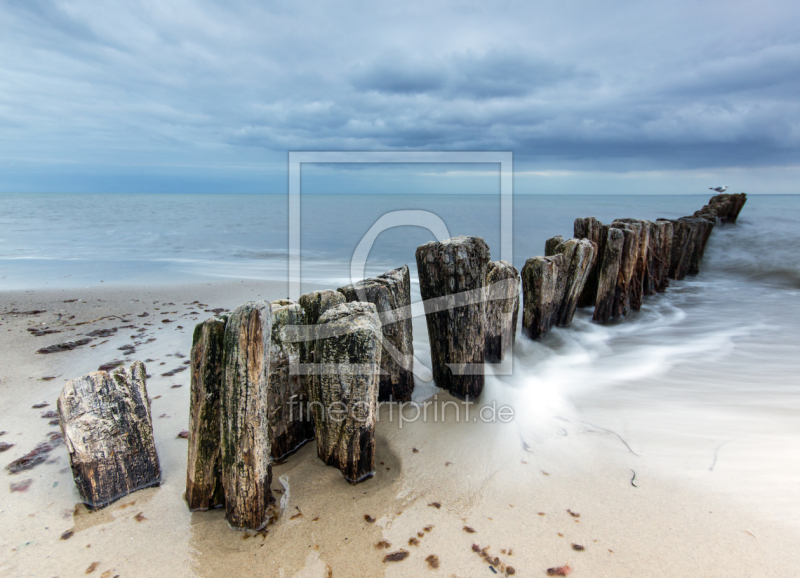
<point x="21" y="486"/>
<point x="396" y="556"/>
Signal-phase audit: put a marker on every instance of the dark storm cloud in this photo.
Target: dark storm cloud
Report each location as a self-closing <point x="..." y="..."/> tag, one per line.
<point x="213" y="84"/>
<point x="494" y="74"/>
<point x="400" y="75"/>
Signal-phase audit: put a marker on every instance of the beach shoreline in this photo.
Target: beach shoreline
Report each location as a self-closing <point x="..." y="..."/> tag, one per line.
<point x="513" y="484"/>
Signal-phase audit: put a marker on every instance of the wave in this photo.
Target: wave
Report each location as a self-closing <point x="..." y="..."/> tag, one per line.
<point x="756" y="252"/>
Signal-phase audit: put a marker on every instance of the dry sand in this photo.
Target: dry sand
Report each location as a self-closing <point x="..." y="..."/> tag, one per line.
<point x="515" y="492"/>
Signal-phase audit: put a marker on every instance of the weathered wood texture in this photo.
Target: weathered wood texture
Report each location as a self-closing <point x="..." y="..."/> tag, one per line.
<point x="645" y="283"/>
<point x="608" y="274"/>
<point x="542" y="292"/>
<point x="552" y="285"/>
<point x="683" y="241"/>
<point x="663" y="254"/>
<point x="651" y="264"/>
<point x="626" y="278"/>
<point x="704" y="228"/>
<point x="391" y="295"/>
<point x="453" y="274"/>
<point x="107" y="427"/>
<point x="204" y="468"/>
<point x="314" y="304"/>
<point x="290" y="425"/>
<point x="642" y="229"/>
<point x="579" y="254"/>
<point x="591" y="229"/>
<point x="502" y="309"/>
<point x="725" y="208"/>
<point x="551" y="244"/>
<point x="344" y="397"/>
<point x="246" y="448"/>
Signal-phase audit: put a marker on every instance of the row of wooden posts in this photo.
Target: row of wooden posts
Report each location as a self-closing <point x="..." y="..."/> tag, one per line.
<point x="266" y="378"/>
<point x="269" y="377"/>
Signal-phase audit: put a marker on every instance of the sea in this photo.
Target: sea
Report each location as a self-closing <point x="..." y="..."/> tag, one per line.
<point x="706" y="376"/>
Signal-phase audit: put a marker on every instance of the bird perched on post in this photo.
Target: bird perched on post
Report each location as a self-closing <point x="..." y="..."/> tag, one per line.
<point x="719" y="189"/>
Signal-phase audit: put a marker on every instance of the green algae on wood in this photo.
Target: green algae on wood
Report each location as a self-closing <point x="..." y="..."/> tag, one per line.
<point x="204" y="488"/>
<point x="290" y="426"/>
<point x="245" y="442"/>
<point x="344" y="395"/>
<point x="391" y="295"/>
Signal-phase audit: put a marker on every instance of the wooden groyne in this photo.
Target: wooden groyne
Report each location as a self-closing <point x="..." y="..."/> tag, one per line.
<point x="269" y="377"/>
<point x="634" y="258"/>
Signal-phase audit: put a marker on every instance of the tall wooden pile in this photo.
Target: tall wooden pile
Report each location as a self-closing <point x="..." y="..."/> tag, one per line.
<point x="452" y="279"/>
<point x="501" y="309"/>
<point x="344" y="395"/>
<point x="229" y="436"/>
<point x="552" y="285"/>
<point x="391" y="295"/>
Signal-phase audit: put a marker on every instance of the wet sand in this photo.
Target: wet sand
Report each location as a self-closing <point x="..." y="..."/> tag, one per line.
<point x="517" y="486"/>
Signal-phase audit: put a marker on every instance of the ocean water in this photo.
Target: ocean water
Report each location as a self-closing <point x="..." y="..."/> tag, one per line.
<point x="704" y="379"/>
<point x="49" y="240"/>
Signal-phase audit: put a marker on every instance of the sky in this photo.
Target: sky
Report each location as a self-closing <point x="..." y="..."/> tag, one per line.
<point x="589" y="96"/>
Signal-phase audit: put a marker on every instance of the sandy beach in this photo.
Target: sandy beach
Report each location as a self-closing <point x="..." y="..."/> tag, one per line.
<point x="567" y="232"/>
<point x="529" y="492"/>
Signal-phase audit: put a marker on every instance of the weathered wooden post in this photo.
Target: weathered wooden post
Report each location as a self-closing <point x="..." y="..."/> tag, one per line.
<point x="245" y="441"/>
<point x="627" y="268"/>
<point x="314" y="304"/>
<point x="344" y="395"/>
<point x="542" y="291"/>
<point x="391" y="295"/>
<point x="663" y="254"/>
<point x="593" y="230"/>
<point x="608" y="273"/>
<point x="724" y="207"/>
<point x="579" y="254"/>
<point x="452" y="278"/>
<point x="703" y="232"/>
<point x="107" y="428"/>
<point x="636" y="284"/>
<point x="651" y="264"/>
<point x="552" y="285"/>
<point x="204" y="469"/>
<point x="551" y="244"/>
<point x="290" y="426"/>
<point x="502" y="309"/>
<point x="683" y="241"/>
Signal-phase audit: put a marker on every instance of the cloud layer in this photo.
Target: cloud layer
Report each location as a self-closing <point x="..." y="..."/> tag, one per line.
<point x="197" y="87"/>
